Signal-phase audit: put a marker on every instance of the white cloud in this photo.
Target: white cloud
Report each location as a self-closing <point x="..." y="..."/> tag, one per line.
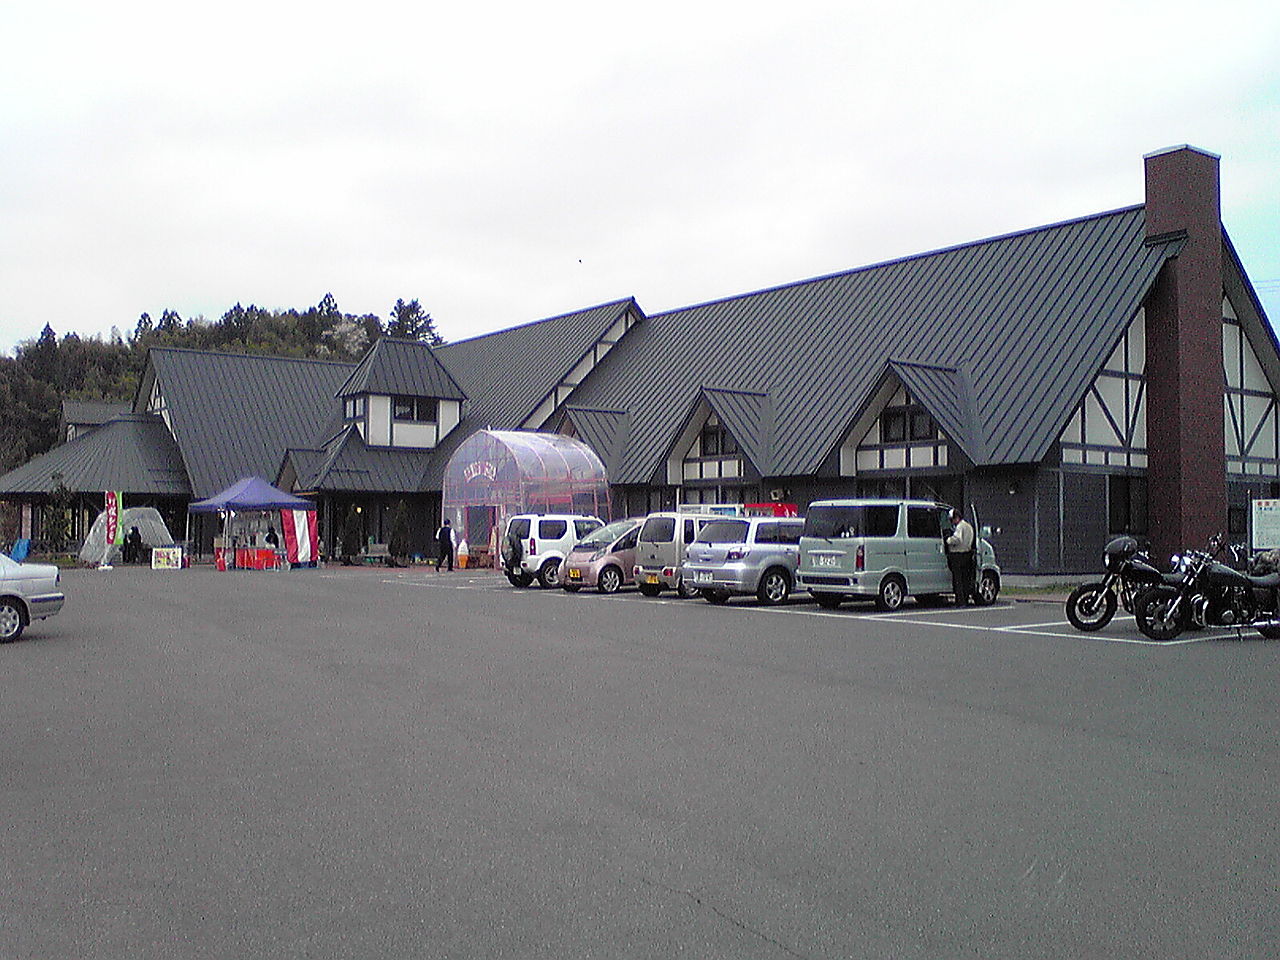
<point x="164" y="156"/>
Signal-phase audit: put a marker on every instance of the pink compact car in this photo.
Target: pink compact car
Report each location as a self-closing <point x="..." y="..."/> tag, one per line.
<point x="603" y="560"/>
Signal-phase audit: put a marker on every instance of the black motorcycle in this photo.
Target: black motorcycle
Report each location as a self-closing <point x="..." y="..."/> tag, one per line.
<point x="1209" y="593"/>
<point x="1129" y="571"/>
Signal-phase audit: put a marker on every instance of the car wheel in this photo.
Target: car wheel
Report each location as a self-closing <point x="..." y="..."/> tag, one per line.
<point x="519" y="579"/>
<point x="650" y="589"/>
<point x="685" y="590"/>
<point x="549" y="574"/>
<point x="988" y="589"/>
<point x="610" y="580"/>
<point x="718" y="597"/>
<point x="893" y="590"/>
<point x="775" y="587"/>
<point x="1270" y="633"/>
<point x="829" y="601"/>
<point x="10" y="621"/>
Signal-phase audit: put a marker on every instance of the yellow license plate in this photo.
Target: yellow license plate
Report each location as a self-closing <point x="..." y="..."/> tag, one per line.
<point x="651" y="578"/>
<point x="575" y="573"/>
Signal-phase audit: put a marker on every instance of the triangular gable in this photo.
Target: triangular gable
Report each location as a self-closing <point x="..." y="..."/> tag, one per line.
<point x="404" y="367"/>
<point x="947" y="393"/>
<point x="749" y="417"/>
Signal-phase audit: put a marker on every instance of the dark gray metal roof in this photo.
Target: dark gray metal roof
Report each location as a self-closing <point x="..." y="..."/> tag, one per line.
<point x="405" y="367"/>
<point x="234" y="414"/>
<point x="605" y="431"/>
<point x="134" y="453"/>
<point x="506" y="375"/>
<point x="1032" y="316"/>
<point x="947" y="393"/>
<point x="748" y="416"/>
<point x="92" y="412"/>
<point x="346" y="464"/>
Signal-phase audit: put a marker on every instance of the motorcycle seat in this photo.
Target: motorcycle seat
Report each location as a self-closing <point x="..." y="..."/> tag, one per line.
<point x="1268" y="581"/>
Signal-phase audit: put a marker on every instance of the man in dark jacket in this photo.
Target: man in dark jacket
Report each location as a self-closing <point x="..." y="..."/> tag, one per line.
<point x="444" y="546"/>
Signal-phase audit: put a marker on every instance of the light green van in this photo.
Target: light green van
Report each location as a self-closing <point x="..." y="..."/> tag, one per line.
<point x="884" y="550"/>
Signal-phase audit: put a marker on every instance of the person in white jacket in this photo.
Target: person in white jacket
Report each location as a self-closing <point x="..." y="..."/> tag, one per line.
<point x="961" y="559"/>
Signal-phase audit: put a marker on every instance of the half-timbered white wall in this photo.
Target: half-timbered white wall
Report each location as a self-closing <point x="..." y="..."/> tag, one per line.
<point x="1249" y="405"/>
<point x="1109" y="428"/>
<point x="863" y="451"/>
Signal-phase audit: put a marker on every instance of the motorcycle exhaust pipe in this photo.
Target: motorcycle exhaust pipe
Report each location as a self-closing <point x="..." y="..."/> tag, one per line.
<point x="1265" y="625"/>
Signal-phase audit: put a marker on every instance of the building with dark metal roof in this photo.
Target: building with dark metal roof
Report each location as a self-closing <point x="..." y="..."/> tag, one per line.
<point x="1059" y="379"/>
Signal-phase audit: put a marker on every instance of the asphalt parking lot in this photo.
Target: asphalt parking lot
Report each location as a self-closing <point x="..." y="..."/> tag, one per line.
<point x="379" y="763"/>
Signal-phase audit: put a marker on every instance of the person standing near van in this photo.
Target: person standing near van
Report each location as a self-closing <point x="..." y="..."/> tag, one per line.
<point x="444" y="545"/>
<point x="961" y="559"/>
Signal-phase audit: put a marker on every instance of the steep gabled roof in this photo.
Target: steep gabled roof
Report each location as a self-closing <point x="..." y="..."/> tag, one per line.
<point x="234" y="414"/>
<point x="347" y="464"/>
<point x="405" y="367"/>
<point x="507" y="374"/>
<point x="1031" y="316"/>
<point x="134" y="453"/>
<point x="947" y="393"/>
<point x="748" y="416"/>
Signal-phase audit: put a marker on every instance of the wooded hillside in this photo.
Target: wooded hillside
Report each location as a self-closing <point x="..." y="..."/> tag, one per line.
<point x="50" y="369"/>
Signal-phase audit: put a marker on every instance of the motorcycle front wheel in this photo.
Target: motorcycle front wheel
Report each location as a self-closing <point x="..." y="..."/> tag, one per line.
<point x="1161" y="614"/>
<point x="1091" y="606"/>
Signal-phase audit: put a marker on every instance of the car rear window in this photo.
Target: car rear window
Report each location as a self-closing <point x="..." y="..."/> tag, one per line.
<point x="520" y="527"/>
<point x="924" y="522"/>
<point x="790" y="532"/>
<point x="552" y="529"/>
<point x="659" y="530"/>
<point x="724" y="531"/>
<point x="834" y="522"/>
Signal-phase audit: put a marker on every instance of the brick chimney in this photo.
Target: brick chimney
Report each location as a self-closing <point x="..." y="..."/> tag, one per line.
<point x="1186" y="456"/>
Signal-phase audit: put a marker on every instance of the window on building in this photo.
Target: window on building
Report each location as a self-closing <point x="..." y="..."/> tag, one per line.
<point x="414" y="409"/>
<point x="904" y="423"/>
<point x="716" y="440"/>
<point x="1127" y="504"/>
<point x="353" y="408"/>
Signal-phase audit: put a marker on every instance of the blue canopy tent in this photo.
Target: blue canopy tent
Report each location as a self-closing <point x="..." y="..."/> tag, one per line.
<point x="251" y="493"/>
<point x="255" y="495"/>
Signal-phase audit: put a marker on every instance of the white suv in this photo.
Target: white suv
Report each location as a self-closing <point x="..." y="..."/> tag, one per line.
<point x="535" y="544"/>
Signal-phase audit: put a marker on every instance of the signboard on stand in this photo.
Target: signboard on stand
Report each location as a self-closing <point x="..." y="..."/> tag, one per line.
<point x="166" y="558"/>
<point x="1266" y="525"/>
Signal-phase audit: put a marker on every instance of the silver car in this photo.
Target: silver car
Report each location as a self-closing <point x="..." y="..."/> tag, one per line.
<point x="743" y="555"/>
<point x="28" y="591"/>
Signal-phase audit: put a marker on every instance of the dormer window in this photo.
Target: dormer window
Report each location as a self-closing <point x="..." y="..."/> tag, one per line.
<point x="353" y="408"/>
<point x="414" y="409"/>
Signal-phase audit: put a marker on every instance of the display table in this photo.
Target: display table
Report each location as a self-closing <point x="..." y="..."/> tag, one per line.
<point x="255" y="558"/>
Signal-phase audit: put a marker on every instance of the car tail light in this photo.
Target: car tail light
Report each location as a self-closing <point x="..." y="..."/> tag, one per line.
<point x="533" y="546"/>
<point x="860" y="561"/>
<point x="668" y="571"/>
<point x="635" y="571"/>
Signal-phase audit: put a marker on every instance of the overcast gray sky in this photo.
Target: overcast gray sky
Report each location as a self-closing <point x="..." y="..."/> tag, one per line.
<point x="507" y="162"/>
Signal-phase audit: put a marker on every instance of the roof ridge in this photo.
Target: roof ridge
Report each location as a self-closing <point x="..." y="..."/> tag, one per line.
<point x="532" y="323"/>
<point x="252" y="356"/>
<point x="1030" y="231"/>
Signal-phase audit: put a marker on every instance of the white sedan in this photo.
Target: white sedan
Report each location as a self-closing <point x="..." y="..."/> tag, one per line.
<point x="28" y="591"/>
